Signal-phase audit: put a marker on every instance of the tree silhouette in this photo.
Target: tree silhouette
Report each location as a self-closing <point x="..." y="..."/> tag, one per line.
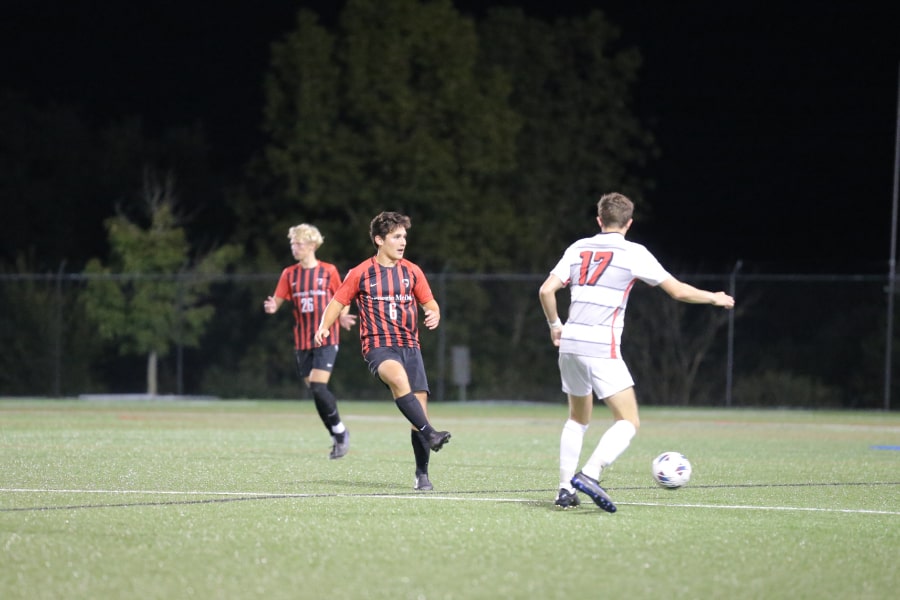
<point x="151" y="294"/>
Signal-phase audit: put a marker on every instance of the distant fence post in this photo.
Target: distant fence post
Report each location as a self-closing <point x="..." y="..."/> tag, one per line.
<point x="729" y="366"/>
<point x="442" y="338"/>
<point x="892" y="262"/>
<point x="57" y="333"/>
<point x="179" y="347"/>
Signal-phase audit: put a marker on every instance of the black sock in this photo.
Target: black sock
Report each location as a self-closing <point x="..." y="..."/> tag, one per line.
<point x="412" y="410"/>
<point x="326" y="405"/>
<point x="421" y="450"/>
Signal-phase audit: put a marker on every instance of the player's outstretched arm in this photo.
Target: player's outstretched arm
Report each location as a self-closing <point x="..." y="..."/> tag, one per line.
<point x="685" y="292"/>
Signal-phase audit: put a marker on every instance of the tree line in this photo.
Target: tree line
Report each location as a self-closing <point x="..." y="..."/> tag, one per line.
<point x="496" y="135"/>
<point x="485" y="132"/>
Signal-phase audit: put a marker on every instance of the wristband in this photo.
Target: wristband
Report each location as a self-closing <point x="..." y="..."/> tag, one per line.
<point x="557" y="324"/>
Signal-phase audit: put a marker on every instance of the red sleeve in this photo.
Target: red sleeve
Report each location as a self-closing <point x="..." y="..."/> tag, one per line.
<point x="349" y="289"/>
<point x="283" y="289"/>
<point x="334" y="280"/>
<point x="422" y="291"/>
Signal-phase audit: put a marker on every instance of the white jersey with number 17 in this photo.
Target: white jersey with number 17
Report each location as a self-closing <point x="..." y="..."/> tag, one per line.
<point x="600" y="272"/>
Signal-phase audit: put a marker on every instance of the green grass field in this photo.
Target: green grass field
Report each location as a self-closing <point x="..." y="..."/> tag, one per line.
<point x="239" y="500"/>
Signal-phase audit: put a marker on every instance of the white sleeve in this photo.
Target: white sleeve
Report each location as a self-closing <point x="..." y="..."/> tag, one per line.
<point x="647" y="268"/>
<point x="563" y="268"/>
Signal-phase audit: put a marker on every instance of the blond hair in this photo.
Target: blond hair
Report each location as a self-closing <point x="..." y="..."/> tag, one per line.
<point x="306" y="233"/>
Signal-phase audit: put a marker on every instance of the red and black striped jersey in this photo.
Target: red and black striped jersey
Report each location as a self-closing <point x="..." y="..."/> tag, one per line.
<point x="309" y="291"/>
<point x="388" y="300"/>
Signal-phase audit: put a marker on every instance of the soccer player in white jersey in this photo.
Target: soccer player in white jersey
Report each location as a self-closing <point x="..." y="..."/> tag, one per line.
<point x="600" y="272"/>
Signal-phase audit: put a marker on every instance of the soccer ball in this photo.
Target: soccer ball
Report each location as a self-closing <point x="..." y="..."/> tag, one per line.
<point x="671" y="469"/>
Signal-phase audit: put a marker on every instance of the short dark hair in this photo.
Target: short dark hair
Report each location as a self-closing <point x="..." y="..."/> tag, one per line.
<point x="615" y="209"/>
<point x="385" y="222"/>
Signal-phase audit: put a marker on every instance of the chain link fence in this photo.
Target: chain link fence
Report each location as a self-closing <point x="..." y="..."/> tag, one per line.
<point x="794" y="341"/>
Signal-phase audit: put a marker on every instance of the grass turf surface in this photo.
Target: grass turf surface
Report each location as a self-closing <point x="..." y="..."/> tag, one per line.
<point x="239" y="499"/>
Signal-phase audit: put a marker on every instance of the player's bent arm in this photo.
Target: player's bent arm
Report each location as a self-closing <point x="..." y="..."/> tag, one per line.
<point x="685" y="292"/>
<point x="272" y="304"/>
<point x="346" y="320"/>
<point x="331" y="314"/>
<point x="547" y="295"/>
<point x="432" y="314"/>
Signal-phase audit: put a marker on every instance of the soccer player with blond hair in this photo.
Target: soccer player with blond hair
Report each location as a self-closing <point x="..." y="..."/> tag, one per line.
<point x="309" y="286"/>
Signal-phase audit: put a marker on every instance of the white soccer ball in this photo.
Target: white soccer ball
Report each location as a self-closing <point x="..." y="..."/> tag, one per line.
<point x="671" y="469"/>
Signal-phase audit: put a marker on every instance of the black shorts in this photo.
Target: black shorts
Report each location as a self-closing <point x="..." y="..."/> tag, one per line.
<point x="410" y="358"/>
<point x="321" y="358"/>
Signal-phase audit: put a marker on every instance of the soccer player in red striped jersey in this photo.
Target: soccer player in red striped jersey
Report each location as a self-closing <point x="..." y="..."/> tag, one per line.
<point x="388" y="290"/>
<point x="600" y="272"/>
<point x="309" y="286"/>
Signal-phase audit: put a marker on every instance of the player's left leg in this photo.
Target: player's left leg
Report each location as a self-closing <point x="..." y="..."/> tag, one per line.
<point x="402" y="370"/>
<point x="326" y="403"/>
<point x="422" y="453"/>
<point x="611" y="381"/>
<point x="617" y="438"/>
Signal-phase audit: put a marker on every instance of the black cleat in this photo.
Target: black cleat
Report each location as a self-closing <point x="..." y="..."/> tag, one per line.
<point x="423" y="484"/>
<point x="591" y="487"/>
<point x="566" y="499"/>
<point x="341" y="445"/>
<point x="437" y="439"/>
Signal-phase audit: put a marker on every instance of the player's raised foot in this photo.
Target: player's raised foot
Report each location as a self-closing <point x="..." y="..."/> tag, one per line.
<point x="423" y="484"/>
<point x="566" y="499"/>
<point x="437" y="439"/>
<point x="591" y="487"/>
<point x="341" y="445"/>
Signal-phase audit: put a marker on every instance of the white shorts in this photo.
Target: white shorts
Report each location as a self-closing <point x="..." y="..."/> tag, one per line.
<point x="604" y="376"/>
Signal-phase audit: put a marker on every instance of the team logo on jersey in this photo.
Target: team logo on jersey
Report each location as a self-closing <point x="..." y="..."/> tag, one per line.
<point x="406" y="283"/>
<point x="319" y="281"/>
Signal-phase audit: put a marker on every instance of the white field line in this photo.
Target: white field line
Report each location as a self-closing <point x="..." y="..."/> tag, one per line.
<point x="432" y="496"/>
<point x="151" y="492"/>
<point x="856" y="511"/>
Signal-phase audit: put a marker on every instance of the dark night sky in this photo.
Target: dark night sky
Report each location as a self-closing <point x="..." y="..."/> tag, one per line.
<point x="777" y="125"/>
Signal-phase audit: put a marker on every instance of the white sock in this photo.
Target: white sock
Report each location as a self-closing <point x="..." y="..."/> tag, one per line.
<point x="338" y="429"/>
<point x="613" y="443"/>
<point x="570" y="443"/>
